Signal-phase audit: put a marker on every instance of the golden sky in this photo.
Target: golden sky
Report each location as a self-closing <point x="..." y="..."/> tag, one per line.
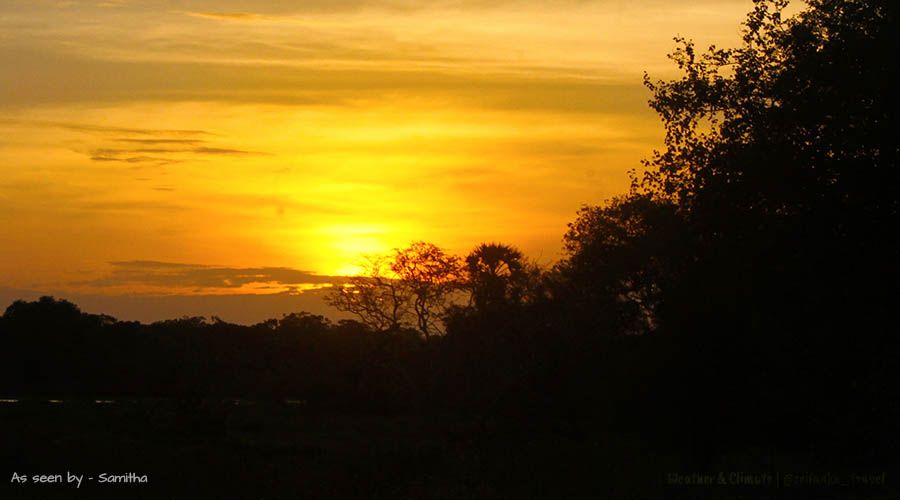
<point x="204" y="147"/>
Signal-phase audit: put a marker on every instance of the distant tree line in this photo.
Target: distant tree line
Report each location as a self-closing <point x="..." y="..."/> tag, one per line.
<point x="743" y="291"/>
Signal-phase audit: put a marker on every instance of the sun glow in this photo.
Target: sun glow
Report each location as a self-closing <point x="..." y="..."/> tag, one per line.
<point x="309" y="138"/>
<point x="349" y="244"/>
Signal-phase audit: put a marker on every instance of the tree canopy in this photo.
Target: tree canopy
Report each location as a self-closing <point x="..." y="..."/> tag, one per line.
<point x="760" y="243"/>
<point x="777" y="185"/>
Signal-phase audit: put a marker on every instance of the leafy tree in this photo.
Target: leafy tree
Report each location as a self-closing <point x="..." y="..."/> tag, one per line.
<point x="760" y="244"/>
<point x="46" y="310"/>
<point x="622" y="258"/>
<point x="497" y="275"/>
<point x="797" y="119"/>
<point x="780" y="171"/>
<point x="781" y="158"/>
<point x="775" y="195"/>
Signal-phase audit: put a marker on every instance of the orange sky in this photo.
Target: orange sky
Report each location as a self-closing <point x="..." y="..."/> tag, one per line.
<point x="171" y="149"/>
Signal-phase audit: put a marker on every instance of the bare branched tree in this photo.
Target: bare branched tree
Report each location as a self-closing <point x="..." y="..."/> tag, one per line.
<point x="377" y="296"/>
<point x="412" y="288"/>
<point x="433" y="278"/>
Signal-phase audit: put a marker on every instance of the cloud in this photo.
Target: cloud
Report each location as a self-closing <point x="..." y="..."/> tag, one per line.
<point x="229" y="16"/>
<point x="138" y="145"/>
<point x="101" y="129"/>
<point x="141" y="155"/>
<point x="220" y="151"/>
<point x="134" y="159"/>
<point x="62" y="79"/>
<point x="543" y="52"/>
<point x="154" y="146"/>
<point x="134" y="206"/>
<point x="178" y="276"/>
<point x="161" y="141"/>
<point x="196" y="150"/>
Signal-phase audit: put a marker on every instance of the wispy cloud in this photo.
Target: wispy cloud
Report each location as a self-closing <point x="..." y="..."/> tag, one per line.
<point x="143" y="206"/>
<point x="229" y="16"/>
<point x="198" y="150"/>
<point x="141" y="155"/>
<point x="155" y="160"/>
<point x="161" y="141"/>
<point x="102" y="129"/>
<point x="149" y="145"/>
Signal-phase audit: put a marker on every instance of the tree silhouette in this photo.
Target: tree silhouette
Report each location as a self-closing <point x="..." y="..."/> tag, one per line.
<point x="432" y="277"/>
<point x="622" y="257"/>
<point x="414" y="287"/>
<point x="781" y="158"/>
<point x="780" y="163"/>
<point x="794" y="121"/>
<point x="378" y="297"/>
<point x="497" y="276"/>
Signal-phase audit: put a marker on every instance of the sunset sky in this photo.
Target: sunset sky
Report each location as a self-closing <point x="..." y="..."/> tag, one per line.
<point x="160" y="158"/>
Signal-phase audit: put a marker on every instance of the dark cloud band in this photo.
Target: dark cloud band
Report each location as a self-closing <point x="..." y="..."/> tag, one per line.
<point x="177" y="275"/>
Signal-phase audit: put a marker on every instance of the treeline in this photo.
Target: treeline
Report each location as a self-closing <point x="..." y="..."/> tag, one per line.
<point x="53" y="350"/>
<point x="743" y="291"/>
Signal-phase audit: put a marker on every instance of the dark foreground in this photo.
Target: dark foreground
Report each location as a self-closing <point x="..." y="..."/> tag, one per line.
<point x="281" y="450"/>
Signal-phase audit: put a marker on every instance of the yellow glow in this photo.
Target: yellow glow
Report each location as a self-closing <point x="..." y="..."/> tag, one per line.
<point x="347" y="244"/>
<point x="309" y="139"/>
